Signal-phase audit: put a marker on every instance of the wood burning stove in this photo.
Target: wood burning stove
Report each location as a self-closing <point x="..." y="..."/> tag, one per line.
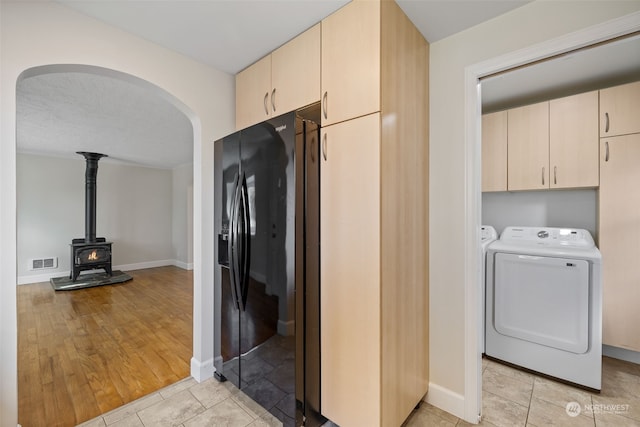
<point x="90" y="256"/>
<point x="91" y="252"/>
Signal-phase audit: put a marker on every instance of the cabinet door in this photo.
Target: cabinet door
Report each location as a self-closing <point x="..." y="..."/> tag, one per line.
<point x="494" y="151"/>
<point x="295" y="73"/>
<point x="620" y="110"/>
<point x="350" y="271"/>
<point x="619" y="237"/>
<point x="528" y="147"/>
<point x="253" y="87"/>
<point x="573" y="141"/>
<point x="351" y="62"/>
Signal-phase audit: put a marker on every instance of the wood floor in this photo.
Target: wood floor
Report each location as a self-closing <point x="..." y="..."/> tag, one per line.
<point x="85" y="352"/>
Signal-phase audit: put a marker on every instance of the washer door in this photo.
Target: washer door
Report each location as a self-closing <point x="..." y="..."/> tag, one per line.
<point x="542" y="300"/>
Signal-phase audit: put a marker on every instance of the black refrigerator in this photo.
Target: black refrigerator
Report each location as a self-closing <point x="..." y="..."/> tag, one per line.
<point x="266" y="293"/>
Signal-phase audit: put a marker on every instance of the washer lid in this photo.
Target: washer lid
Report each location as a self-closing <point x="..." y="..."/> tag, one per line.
<point x="549" y="237"/>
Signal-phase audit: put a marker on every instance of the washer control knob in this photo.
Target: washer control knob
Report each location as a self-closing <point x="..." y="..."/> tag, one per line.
<point x="543" y="234"/>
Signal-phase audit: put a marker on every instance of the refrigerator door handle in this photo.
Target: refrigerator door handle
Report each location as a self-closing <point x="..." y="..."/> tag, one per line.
<point x="233" y="245"/>
<point x="245" y="263"/>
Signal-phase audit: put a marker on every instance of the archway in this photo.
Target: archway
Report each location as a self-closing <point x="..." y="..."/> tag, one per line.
<point x="75" y="72"/>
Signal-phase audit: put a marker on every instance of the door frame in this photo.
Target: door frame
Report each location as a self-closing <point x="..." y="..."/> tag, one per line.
<point x="472" y="189"/>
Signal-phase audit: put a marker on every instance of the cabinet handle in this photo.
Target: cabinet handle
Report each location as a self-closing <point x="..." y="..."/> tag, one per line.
<point x="555" y="175"/>
<point x="266" y="107"/>
<point x="312" y="150"/>
<point x="606" y="151"/>
<point x="543" y="175"/>
<point x="606" y="122"/>
<point x="324" y="105"/>
<point x="273" y="99"/>
<point x="324" y="146"/>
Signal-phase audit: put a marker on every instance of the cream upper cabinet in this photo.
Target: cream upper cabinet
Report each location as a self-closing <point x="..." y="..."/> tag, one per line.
<point x="619" y="234"/>
<point x="528" y="147"/>
<point x="283" y="81"/>
<point x="494" y="151"/>
<point x="551" y="144"/>
<point x="253" y="87"/>
<point x="295" y="73"/>
<point x="351" y="62"/>
<point x="573" y="141"/>
<point x="620" y="110"/>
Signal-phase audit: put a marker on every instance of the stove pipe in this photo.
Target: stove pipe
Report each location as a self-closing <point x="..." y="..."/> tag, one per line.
<point x="90" y="195"/>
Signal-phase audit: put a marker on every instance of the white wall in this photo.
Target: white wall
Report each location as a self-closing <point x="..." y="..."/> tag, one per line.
<point x="529" y="25"/>
<point x="35" y="34"/>
<point x="133" y="210"/>
<point x="550" y="208"/>
<point x="182" y="226"/>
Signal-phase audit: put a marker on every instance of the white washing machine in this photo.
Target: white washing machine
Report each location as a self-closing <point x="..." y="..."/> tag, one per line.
<point x="544" y="303"/>
<point x="488" y="235"/>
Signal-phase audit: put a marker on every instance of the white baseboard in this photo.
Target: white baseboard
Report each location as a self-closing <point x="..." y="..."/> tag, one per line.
<point x="287" y="328"/>
<point x="621" y="353"/>
<point x="445" y="399"/>
<point x="38" y="278"/>
<point x="183" y="265"/>
<point x="202" y="371"/>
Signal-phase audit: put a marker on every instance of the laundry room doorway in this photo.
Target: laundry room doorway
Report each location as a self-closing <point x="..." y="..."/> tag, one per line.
<point x="480" y="90"/>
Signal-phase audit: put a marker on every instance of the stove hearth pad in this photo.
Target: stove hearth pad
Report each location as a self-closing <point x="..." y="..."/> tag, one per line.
<point x="89" y="280"/>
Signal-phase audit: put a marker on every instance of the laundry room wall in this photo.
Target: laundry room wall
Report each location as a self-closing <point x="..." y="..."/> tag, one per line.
<point x="548" y="208"/>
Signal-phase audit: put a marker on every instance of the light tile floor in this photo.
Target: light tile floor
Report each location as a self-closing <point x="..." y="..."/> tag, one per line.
<point x="511" y="397"/>
<point x="188" y="403"/>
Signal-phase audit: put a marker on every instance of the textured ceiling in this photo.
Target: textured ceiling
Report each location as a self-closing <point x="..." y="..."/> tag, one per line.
<point x="61" y="113"/>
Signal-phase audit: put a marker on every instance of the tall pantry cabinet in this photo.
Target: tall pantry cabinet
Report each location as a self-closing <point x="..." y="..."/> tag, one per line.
<point x="374" y="215"/>
<point x="619" y="218"/>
